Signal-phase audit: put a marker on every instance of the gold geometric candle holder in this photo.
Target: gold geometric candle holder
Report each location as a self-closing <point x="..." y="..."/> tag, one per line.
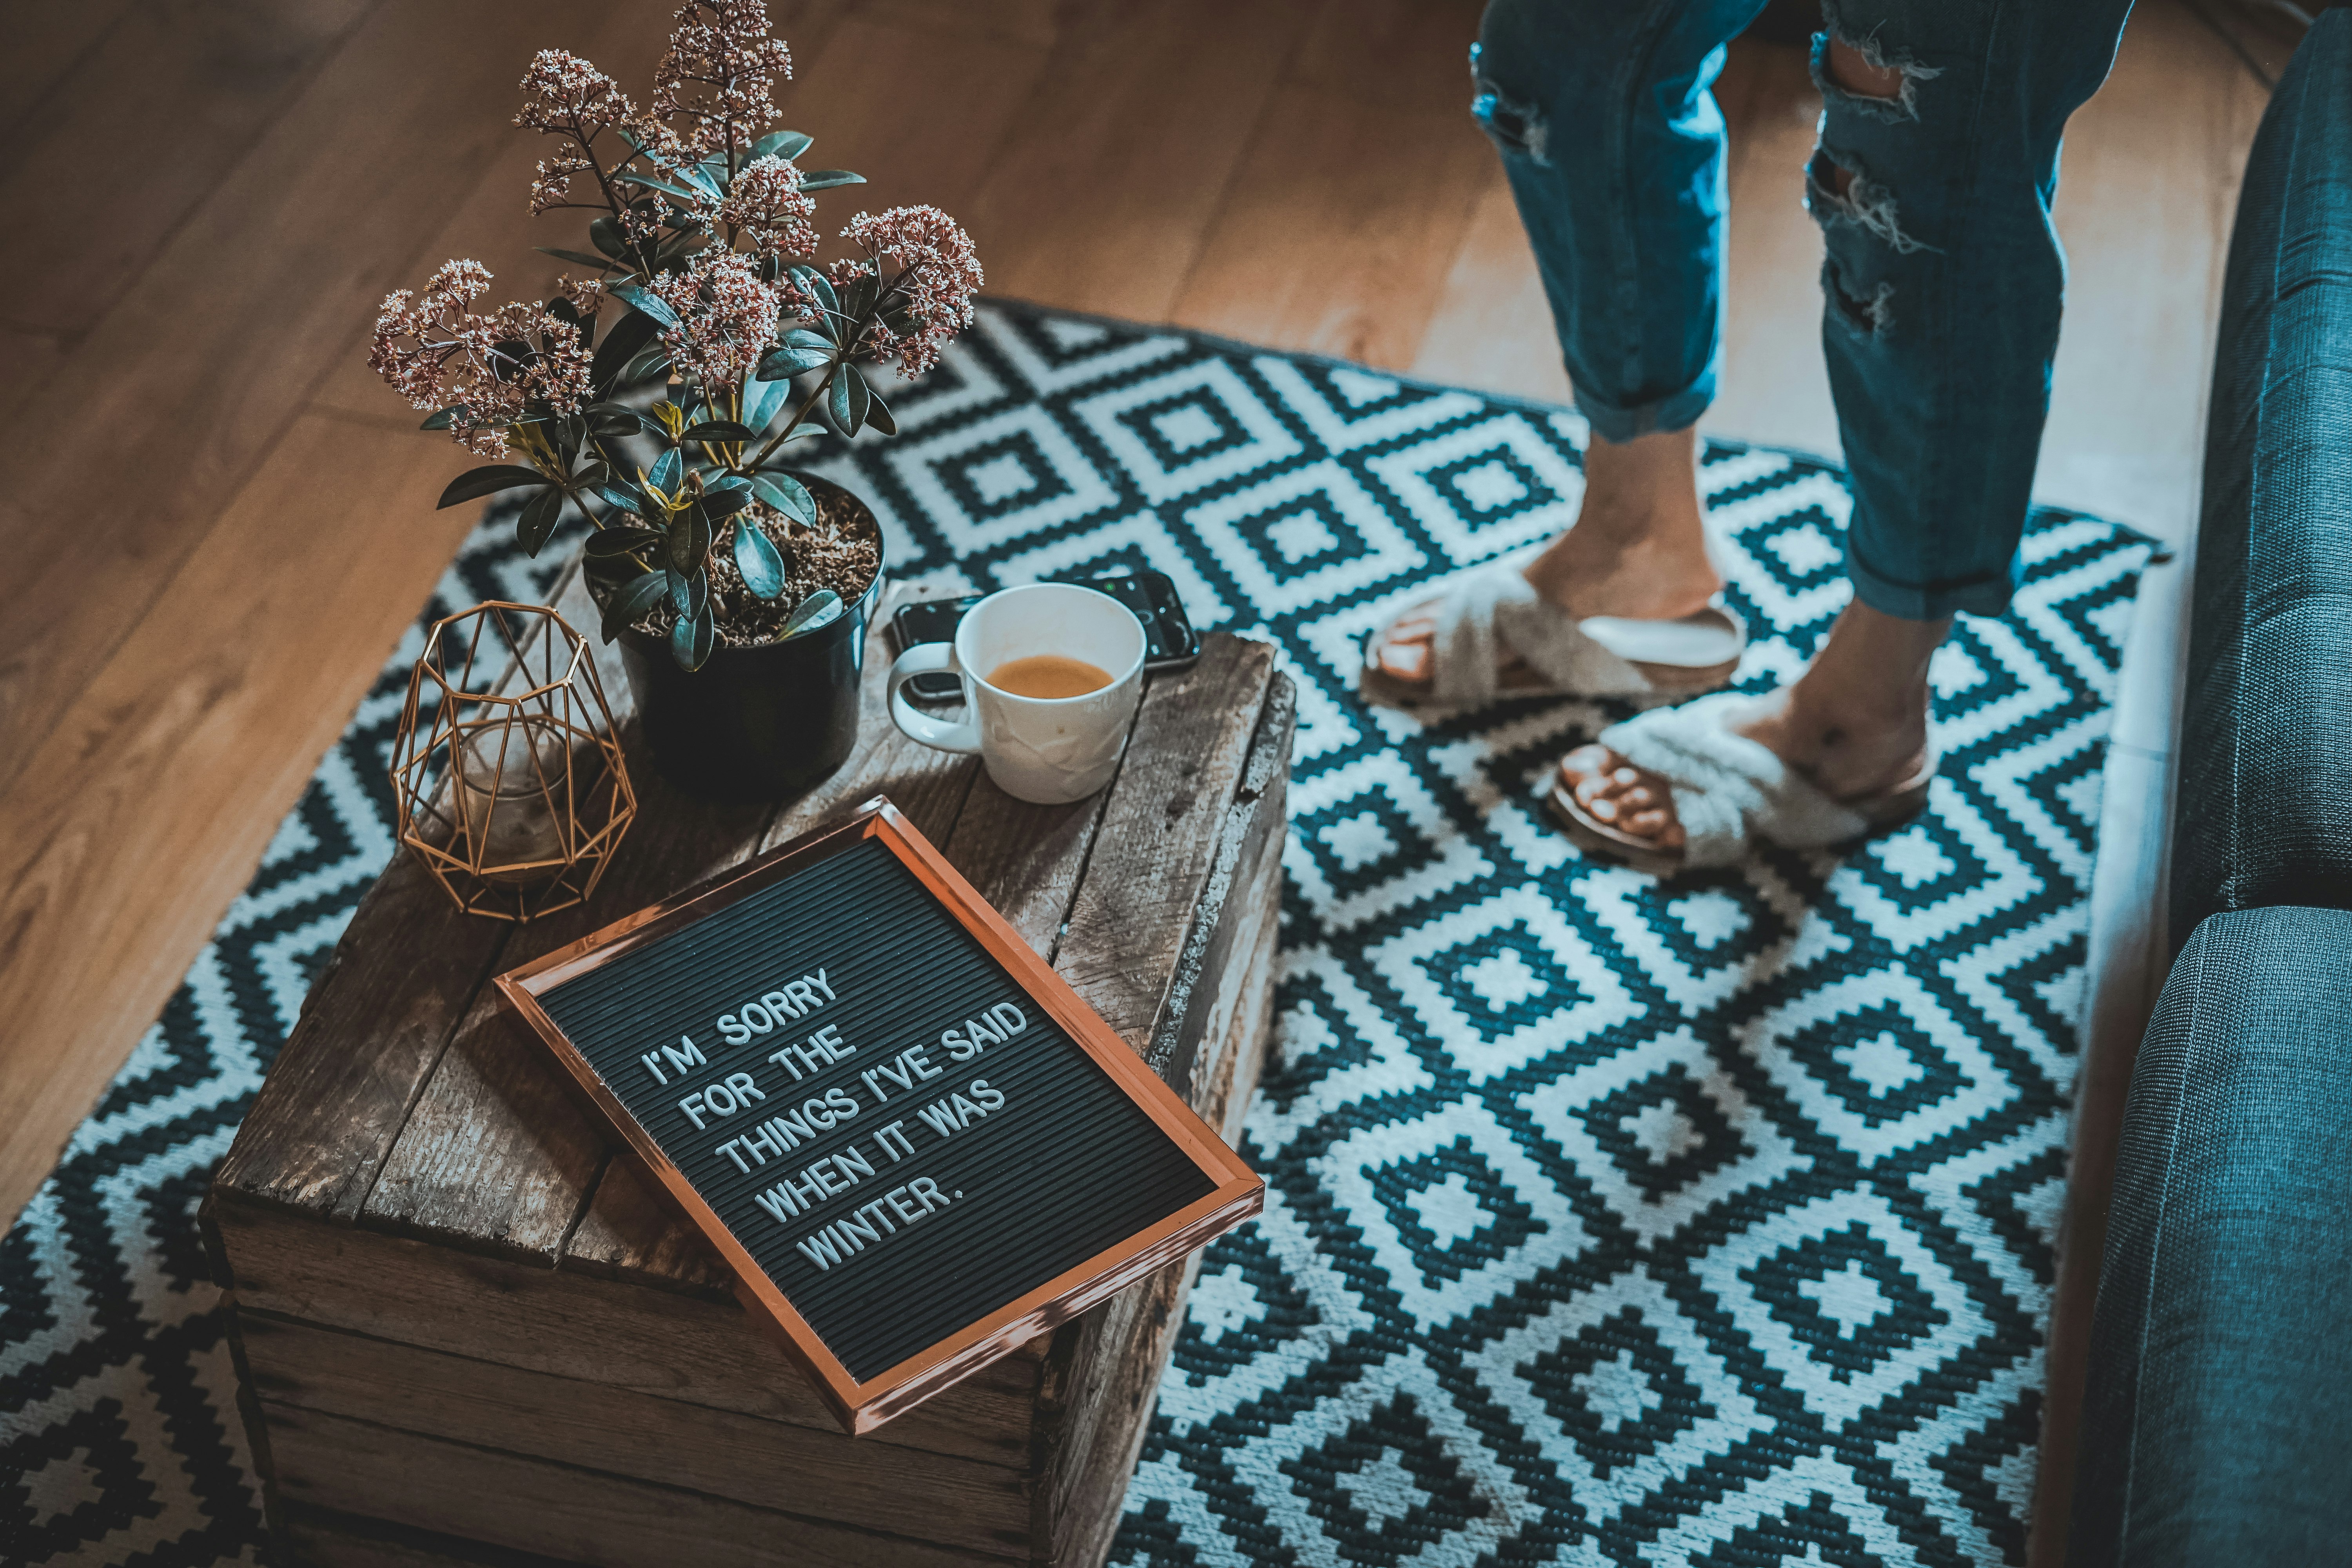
<point x="508" y="779"/>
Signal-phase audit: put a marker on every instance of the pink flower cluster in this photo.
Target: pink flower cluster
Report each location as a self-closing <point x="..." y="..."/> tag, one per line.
<point x="717" y="78"/>
<point x="727" y="317"/>
<point x="939" y="272"/>
<point x="568" y="94"/>
<point x="437" y="352"/>
<point x="766" y="202"/>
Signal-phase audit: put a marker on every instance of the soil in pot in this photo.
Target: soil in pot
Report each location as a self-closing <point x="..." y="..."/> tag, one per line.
<point x="765" y="718"/>
<point x="842" y="552"/>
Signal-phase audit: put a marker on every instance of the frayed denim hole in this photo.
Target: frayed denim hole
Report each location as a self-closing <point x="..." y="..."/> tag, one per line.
<point x="1864" y="203"/>
<point x="1870" y="312"/>
<point x="1515" y="127"/>
<point x="1903" y="105"/>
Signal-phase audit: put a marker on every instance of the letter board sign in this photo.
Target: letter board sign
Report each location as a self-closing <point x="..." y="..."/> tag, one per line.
<point x="912" y="1143"/>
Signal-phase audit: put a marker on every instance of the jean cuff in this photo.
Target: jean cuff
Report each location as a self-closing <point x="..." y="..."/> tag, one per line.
<point x="1679" y="412"/>
<point x="1984" y="596"/>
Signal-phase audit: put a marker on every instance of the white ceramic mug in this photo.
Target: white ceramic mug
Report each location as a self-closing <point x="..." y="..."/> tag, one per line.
<point x="1046" y="750"/>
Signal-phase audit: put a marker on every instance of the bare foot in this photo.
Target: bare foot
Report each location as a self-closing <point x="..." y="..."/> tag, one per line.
<point x="1855" y="723"/>
<point x="1638" y="551"/>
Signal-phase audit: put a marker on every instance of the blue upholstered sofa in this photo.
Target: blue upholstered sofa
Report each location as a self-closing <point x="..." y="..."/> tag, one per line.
<point x="2217" y="1427"/>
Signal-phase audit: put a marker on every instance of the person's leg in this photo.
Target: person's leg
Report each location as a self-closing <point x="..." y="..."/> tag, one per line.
<point x="1942" y="285"/>
<point x="1614" y="149"/>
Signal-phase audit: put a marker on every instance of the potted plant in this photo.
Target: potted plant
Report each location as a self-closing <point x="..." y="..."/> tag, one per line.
<point x="655" y="395"/>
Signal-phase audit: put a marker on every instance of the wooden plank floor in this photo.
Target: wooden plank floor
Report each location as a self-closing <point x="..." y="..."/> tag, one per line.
<point x="217" y="523"/>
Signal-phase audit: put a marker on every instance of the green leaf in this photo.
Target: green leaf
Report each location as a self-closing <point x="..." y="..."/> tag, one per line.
<point x="826" y="179"/>
<point x="849" y="400"/>
<point x="626" y="497"/>
<point x="442" y="420"/>
<point x="578" y="258"/>
<point x="763" y="400"/>
<point x="662" y="185"/>
<point x="606" y="235"/>
<point x="616" y="419"/>
<point x="632" y="332"/>
<point x="691" y="640"/>
<point x="496" y="477"/>
<point x="620" y="539"/>
<point x="757" y="557"/>
<point x="783" y="364"/>
<point x="836" y="399"/>
<point x="820" y="608"/>
<point x="667" y="473"/>
<point x="649" y="362"/>
<point x="690" y="540"/>
<point x="638" y="297"/>
<point x="819" y="287"/>
<point x="859" y="301"/>
<point x="782" y="145"/>
<point x="802" y="338"/>
<point x="688" y="593"/>
<point x="787" y="495"/>
<point x="631" y="600"/>
<point x="539" y="520"/>
<point x="877" y="413"/>
<point x="717" y="431"/>
<point x="719" y="503"/>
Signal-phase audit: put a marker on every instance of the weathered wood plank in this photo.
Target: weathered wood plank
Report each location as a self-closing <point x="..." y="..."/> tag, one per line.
<point x="1155" y="852"/>
<point x="1025" y="859"/>
<point x="767" y="1464"/>
<point x="588" y="1516"/>
<point x="1253" y="833"/>
<point x="498" y="1155"/>
<point x="304" y="1537"/>
<point x="1103" y="1378"/>
<point x="568" y="1325"/>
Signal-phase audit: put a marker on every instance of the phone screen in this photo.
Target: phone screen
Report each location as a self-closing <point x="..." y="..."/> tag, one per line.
<point x="1171" y="643"/>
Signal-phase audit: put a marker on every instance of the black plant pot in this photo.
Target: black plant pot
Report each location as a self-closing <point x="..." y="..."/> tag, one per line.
<point x="757" y="723"/>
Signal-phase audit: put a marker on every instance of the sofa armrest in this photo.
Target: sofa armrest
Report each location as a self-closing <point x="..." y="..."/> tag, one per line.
<point x="2217" y="1427"/>
<point x="2264" y="812"/>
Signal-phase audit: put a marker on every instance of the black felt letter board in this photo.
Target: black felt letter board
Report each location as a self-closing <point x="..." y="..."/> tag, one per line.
<point x="894" y="1169"/>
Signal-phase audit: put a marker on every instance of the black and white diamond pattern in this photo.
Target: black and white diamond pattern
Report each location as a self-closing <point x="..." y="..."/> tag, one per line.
<point x="1609" y="1221"/>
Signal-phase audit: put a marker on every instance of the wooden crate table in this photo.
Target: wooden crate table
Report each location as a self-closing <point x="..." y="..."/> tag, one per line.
<point x="469" y="1334"/>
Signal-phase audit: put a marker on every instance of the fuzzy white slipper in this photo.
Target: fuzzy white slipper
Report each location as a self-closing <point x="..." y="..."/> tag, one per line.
<point x="1492" y="611"/>
<point x="1727" y="791"/>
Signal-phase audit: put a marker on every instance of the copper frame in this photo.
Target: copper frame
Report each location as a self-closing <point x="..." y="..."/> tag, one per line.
<point x="1238" y="1193"/>
<point x="544" y="684"/>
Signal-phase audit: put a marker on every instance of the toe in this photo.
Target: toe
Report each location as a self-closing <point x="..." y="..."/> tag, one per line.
<point x="1590" y="762"/>
<point x="1614" y="792"/>
<point x="1404" y="659"/>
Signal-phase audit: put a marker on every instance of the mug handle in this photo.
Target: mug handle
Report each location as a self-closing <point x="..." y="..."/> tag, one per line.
<point x="928" y="658"/>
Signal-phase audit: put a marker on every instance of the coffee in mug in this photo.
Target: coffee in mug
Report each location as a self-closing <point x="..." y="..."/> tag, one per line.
<point x="1051" y="674"/>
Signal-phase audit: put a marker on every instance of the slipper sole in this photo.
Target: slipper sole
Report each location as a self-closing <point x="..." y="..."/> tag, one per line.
<point x="1890" y="809"/>
<point x="1374" y="684"/>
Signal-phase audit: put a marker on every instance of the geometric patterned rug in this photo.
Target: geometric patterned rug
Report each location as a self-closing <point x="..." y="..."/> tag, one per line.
<point x="1608" y="1220"/>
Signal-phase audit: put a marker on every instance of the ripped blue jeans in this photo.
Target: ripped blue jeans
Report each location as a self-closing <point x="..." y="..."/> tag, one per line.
<point x="1943" y="276"/>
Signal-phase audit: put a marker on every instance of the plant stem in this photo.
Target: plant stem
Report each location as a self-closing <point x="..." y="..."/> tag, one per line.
<point x="784" y="435"/>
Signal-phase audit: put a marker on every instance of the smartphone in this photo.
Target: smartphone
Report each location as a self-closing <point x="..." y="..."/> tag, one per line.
<point x="1170" y="641"/>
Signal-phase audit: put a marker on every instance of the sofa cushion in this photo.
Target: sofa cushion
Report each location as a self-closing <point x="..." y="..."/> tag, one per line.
<point x="2264" y="812"/>
<point x="2217" y="1427"/>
